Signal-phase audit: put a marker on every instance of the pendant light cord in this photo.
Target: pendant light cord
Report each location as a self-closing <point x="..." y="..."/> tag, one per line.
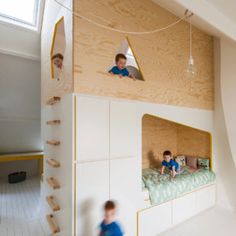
<point x="190" y="37"/>
<point x="186" y="16"/>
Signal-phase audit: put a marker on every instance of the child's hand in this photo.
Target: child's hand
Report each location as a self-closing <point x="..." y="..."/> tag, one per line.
<point x="120" y="76"/>
<point x="173" y="174"/>
<point x="133" y="78"/>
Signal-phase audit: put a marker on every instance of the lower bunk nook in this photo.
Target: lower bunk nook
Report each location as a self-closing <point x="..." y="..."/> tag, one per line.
<point x="172" y="200"/>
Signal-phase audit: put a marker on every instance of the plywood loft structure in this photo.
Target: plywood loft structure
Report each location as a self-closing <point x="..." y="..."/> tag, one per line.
<point x="92" y="122"/>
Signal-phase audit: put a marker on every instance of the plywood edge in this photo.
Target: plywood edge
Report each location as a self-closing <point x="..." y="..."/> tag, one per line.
<point x="53" y="183"/>
<point x="53" y="163"/>
<point x="52" y="203"/>
<point x="53" y="100"/>
<point x="53" y="122"/>
<point x="53" y="142"/>
<point x="52" y="224"/>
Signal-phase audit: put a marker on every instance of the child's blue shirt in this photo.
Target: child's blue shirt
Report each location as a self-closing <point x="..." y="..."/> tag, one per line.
<point x="112" y="229"/>
<point x="115" y="70"/>
<point x="170" y="164"/>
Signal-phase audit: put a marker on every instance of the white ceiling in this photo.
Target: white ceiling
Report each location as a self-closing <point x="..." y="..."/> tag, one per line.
<point x="227" y="7"/>
<point x="20" y="41"/>
<point x="216" y="17"/>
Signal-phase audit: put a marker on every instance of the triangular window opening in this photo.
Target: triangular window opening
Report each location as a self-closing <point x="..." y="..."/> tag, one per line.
<point x="58" y="50"/>
<point x="131" y="64"/>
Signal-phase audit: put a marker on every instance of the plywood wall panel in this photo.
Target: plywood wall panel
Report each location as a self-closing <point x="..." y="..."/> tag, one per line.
<point x="162" y="56"/>
<point x="193" y="142"/>
<point x="159" y="135"/>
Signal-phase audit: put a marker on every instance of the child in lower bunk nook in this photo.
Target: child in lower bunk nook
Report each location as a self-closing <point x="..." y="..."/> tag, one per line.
<point x="120" y="68"/>
<point x="168" y="162"/>
<point x="109" y="227"/>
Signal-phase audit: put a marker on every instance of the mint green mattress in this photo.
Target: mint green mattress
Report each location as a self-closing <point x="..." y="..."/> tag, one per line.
<point x="163" y="188"/>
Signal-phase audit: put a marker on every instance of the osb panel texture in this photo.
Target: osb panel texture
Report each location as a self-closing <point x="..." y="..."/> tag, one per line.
<point x="162" y="56"/>
<point x="193" y="142"/>
<point x="159" y="135"/>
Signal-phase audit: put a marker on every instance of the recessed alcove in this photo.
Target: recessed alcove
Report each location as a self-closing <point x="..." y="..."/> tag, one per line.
<point x="160" y="134"/>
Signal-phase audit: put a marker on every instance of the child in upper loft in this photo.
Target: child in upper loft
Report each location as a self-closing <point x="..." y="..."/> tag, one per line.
<point x="57" y="60"/>
<point x="109" y="227"/>
<point x="120" y="68"/>
<point x="168" y="162"/>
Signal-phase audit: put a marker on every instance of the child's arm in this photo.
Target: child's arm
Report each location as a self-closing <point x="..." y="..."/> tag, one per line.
<point x="132" y="77"/>
<point x="173" y="172"/>
<point x="162" y="169"/>
<point x="112" y="70"/>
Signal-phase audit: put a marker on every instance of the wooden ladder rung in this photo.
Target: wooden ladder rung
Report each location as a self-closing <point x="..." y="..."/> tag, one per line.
<point x="53" y="100"/>
<point x="52" y="224"/>
<point x="53" y="122"/>
<point x="52" y="203"/>
<point x="53" y="163"/>
<point x="53" y="142"/>
<point x="53" y="183"/>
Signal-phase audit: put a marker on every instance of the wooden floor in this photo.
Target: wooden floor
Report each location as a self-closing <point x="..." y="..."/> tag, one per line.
<point x="214" y="222"/>
<point x="19" y="208"/>
<point x="19" y="215"/>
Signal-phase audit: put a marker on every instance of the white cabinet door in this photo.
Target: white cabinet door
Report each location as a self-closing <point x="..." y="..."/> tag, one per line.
<point x="123" y="129"/>
<point x="184" y="208"/>
<point x="205" y="198"/>
<point x="92" y="128"/>
<point x="92" y="182"/>
<point x="155" y="220"/>
<point x="125" y="184"/>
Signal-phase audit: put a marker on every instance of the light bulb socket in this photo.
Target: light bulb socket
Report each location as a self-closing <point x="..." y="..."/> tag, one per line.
<point x="190" y="60"/>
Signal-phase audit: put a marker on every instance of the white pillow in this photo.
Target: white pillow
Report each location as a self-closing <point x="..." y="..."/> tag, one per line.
<point x="181" y="160"/>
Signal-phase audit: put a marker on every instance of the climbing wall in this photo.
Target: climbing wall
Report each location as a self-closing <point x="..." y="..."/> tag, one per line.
<point x="57" y="179"/>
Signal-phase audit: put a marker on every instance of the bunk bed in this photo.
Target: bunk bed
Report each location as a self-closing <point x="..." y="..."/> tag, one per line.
<point x="163" y="188"/>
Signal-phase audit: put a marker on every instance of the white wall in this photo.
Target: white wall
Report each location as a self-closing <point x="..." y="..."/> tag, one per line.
<point x="224" y="122"/>
<point x="19" y="105"/>
<point x="228" y="86"/>
<point x="18" y="41"/>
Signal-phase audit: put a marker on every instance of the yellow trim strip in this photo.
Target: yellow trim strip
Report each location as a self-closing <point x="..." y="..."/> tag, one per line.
<point x="135" y="58"/>
<point x="53" y="44"/>
<point x="211" y="152"/>
<point x="24" y="158"/>
<point x="75" y="200"/>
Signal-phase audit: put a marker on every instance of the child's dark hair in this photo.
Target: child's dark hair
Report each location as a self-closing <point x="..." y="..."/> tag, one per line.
<point x="109" y="205"/>
<point x="58" y="55"/>
<point x="120" y="56"/>
<point x="167" y="153"/>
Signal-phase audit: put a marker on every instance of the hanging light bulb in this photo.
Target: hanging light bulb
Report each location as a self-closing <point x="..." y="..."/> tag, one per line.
<point x="191" y="69"/>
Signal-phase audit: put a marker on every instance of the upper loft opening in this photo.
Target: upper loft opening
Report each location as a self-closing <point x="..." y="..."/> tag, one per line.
<point x="130" y="65"/>
<point x="25" y="13"/>
<point x="58" y="50"/>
